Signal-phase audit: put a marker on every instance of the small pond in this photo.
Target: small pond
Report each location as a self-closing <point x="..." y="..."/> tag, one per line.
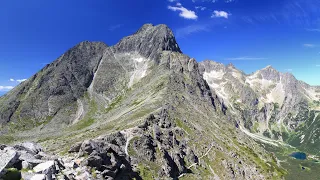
<point x="299" y="155"/>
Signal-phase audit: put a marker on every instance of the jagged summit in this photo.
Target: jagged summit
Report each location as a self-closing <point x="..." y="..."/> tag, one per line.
<point x="149" y="41"/>
<point x="268" y="73"/>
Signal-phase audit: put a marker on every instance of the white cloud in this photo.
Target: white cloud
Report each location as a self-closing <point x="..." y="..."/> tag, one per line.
<point x="289" y="70"/>
<point x="18" y="80"/>
<point x="200" y="8"/>
<point x="21" y="80"/>
<point x="218" y="14"/>
<point x="185" y="13"/>
<point x="172" y="0"/>
<point x="245" y="58"/>
<point x="5" y="88"/>
<point x="182" y="32"/>
<point x="309" y="45"/>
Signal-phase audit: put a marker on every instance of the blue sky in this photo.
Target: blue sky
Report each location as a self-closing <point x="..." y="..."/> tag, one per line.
<point x="251" y="34"/>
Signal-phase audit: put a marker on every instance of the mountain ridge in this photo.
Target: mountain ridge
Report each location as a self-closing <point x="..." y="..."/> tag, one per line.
<point x="160" y="106"/>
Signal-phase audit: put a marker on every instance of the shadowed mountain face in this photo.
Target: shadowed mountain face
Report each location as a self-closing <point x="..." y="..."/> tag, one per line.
<point x="167" y="114"/>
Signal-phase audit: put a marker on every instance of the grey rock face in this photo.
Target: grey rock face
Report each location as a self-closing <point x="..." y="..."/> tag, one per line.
<point x="149" y="41"/>
<point x="65" y="80"/>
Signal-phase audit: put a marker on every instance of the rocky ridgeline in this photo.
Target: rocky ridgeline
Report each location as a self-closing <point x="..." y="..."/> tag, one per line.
<point x="114" y="156"/>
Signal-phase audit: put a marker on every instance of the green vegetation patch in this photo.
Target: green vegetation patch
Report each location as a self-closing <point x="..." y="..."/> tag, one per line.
<point x="114" y="103"/>
<point x="6" y="139"/>
<point x="145" y="172"/>
<point x="12" y="174"/>
<point x="183" y="126"/>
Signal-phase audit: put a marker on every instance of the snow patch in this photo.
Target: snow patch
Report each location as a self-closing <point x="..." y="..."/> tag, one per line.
<point x="213" y="75"/>
<point x="80" y="111"/>
<point x="140" y="69"/>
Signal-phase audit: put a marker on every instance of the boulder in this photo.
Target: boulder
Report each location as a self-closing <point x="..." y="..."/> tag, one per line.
<point x="47" y="168"/>
<point x="116" y="139"/>
<point x="95" y="161"/>
<point x="30" y="147"/>
<point x="8" y="157"/>
<point x="29" y="158"/>
<point x="88" y="147"/>
<point x="38" y="177"/>
<point x="26" y="165"/>
<point x="75" y="148"/>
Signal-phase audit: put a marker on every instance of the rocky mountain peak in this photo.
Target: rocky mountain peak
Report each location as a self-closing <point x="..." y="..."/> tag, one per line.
<point x="212" y="65"/>
<point x="149" y="41"/>
<point x="269" y="73"/>
<point x="230" y="65"/>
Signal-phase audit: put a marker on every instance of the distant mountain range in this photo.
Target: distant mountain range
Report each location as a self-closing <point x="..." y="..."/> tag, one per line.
<point x="166" y="114"/>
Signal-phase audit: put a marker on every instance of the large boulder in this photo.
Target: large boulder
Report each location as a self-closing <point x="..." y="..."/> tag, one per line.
<point x="30" y="147"/>
<point x="75" y="148"/>
<point x="88" y="147"/>
<point x="8" y="157"/>
<point x="47" y="168"/>
<point x="29" y="158"/>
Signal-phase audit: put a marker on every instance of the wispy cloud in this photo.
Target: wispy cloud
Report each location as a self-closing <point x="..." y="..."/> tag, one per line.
<point x="17" y="80"/>
<point x="289" y="70"/>
<point x="5" y="88"/>
<point x="184" y="12"/>
<point x="219" y="14"/>
<point x="114" y="27"/>
<point x="202" y="8"/>
<point x="246" y="58"/>
<point x="313" y="30"/>
<point x="182" y="32"/>
<point x="21" y="80"/>
<point x="309" y="45"/>
<point x="296" y="12"/>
